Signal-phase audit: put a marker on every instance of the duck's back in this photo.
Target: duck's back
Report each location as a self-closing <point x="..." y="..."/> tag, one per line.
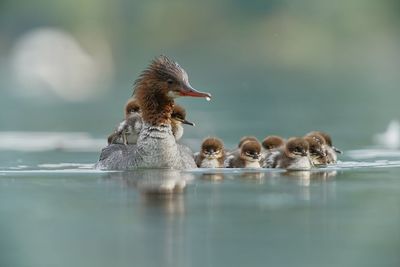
<point x="156" y="148"/>
<point x="119" y="157"/>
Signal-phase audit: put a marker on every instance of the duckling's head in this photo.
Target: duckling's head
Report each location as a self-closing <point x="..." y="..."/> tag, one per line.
<point x="178" y="117"/>
<point x="273" y="142"/>
<point x="212" y="148"/>
<point x="296" y="147"/>
<point x="317" y="137"/>
<point x="316" y="149"/>
<point x="245" y="139"/>
<point x="132" y="107"/>
<point x="251" y="151"/>
<point x="166" y="77"/>
<point x="329" y="141"/>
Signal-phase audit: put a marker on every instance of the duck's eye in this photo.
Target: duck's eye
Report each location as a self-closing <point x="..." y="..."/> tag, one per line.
<point x="170" y="81"/>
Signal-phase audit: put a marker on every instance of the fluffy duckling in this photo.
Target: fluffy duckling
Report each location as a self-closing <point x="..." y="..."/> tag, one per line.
<point x="178" y="117"/>
<point x="331" y="151"/>
<point x="317" y="151"/>
<point x="294" y="156"/>
<point x="249" y="156"/>
<point x="128" y="130"/>
<point x="212" y="154"/>
<point x="269" y="145"/>
<point x="155" y="90"/>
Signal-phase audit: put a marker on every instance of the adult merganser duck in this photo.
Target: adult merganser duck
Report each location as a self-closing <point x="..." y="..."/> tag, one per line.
<point x="212" y="154"/>
<point x="249" y="156"/>
<point x="155" y="90"/>
<point x="294" y="156"/>
<point x="331" y="151"/>
<point x="128" y="130"/>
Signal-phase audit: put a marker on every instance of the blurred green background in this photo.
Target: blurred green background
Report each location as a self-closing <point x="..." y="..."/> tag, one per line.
<point x="273" y="67"/>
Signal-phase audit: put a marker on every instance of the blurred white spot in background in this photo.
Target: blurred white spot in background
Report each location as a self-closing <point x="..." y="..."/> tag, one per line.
<point x="391" y="137"/>
<point x="49" y="61"/>
<point x="48" y="141"/>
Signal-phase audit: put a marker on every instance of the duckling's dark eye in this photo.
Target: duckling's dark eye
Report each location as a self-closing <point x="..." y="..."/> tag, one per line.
<point x="170" y="81"/>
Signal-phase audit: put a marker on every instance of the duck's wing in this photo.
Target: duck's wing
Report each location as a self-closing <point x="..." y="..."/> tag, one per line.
<point x="118" y="157"/>
<point x="187" y="158"/>
<point x="271" y="159"/>
<point x="228" y="163"/>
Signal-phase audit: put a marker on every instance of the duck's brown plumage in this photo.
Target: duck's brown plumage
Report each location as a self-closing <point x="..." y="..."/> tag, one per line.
<point x="153" y="86"/>
<point x="273" y="142"/>
<point x="209" y="146"/>
<point x="132" y="106"/>
<point x="245" y="139"/>
<point x="249" y="149"/>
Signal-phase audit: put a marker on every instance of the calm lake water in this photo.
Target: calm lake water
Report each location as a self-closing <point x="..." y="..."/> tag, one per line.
<point x="71" y="215"/>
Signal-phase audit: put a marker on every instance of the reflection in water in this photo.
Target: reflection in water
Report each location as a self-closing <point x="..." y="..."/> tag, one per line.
<point x="154" y="181"/>
<point x="167" y="213"/>
<point x="257" y="176"/>
<point x="306" y="178"/>
<point x="215" y="177"/>
<point x="161" y="208"/>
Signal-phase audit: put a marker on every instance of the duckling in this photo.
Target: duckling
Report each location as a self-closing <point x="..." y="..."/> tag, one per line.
<point x="317" y="151"/>
<point x="212" y="154"/>
<point x="249" y="156"/>
<point x="155" y="91"/>
<point x="331" y="151"/>
<point x="270" y="144"/>
<point x="294" y="156"/>
<point x="128" y="130"/>
<point x="178" y="117"/>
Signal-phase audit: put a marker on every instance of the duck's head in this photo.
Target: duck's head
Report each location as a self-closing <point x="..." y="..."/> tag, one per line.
<point x="250" y="151"/>
<point x="317" y="137"/>
<point x="296" y="147"/>
<point x="179" y="115"/>
<point x="246" y="138"/>
<point x="131" y="107"/>
<point x="158" y="86"/>
<point x="167" y="77"/>
<point x="327" y="139"/>
<point x="316" y="149"/>
<point x="212" y="148"/>
<point x="273" y="142"/>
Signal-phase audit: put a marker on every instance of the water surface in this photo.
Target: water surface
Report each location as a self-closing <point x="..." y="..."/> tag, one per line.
<point x="66" y="214"/>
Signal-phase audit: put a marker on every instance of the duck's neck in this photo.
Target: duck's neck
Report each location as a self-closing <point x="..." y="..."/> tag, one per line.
<point x="156" y="107"/>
